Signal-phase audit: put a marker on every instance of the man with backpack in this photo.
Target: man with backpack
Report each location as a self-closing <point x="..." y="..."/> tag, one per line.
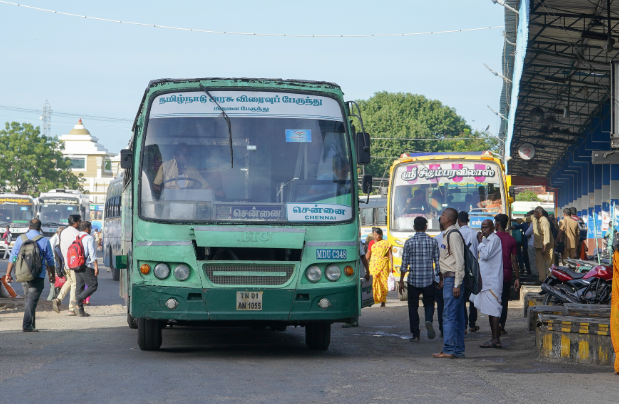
<point x="488" y="300"/>
<point x="452" y="267"/>
<point x="67" y="236"/>
<point x="29" y="255"/>
<point x="82" y="258"/>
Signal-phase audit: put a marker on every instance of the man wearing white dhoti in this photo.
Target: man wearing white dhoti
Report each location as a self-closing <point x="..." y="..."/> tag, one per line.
<point x="488" y="301"/>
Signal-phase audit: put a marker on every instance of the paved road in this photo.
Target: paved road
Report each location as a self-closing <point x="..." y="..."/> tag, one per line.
<point x="107" y="293"/>
<point x="96" y="359"/>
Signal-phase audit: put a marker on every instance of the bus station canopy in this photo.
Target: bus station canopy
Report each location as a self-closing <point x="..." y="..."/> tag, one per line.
<point x="557" y="57"/>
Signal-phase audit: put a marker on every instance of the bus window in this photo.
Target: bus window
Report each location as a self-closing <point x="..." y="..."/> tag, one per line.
<point x="367" y="217"/>
<point x="382" y="217"/>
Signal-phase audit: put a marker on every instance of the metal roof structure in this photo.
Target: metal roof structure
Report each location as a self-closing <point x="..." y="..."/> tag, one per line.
<point x="556" y="54"/>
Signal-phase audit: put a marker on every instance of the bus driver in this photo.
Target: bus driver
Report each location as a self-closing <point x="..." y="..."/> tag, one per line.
<point x="178" y="173"/>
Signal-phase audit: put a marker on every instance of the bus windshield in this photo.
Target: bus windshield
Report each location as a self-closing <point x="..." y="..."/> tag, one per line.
<point x="57" y="213"/>
<point x="15" y="213"/>
<point x="288" y="167"/>
<point x="427" y="189"/>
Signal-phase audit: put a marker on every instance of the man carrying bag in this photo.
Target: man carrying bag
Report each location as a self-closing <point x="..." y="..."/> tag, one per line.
<point x="30" y="254"/>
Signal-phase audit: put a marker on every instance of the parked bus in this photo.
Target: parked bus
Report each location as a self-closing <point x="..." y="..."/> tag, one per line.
<point x="54" y="208"/>
<point x="96" y="215"/>
<point x="111" y="226"/>
<point x="373" y="214"/>
<point x="16" y="211"/>
<point x="240" y="207"/>
<point x="424" y="184"/>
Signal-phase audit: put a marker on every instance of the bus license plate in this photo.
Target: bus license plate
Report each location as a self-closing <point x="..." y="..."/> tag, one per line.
<point x="249" y="300"/>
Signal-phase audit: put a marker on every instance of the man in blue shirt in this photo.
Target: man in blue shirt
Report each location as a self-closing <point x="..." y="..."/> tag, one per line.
<point x="421" y="260"/>
<point x="87" y="276"/>
<point x="35" y="286"/>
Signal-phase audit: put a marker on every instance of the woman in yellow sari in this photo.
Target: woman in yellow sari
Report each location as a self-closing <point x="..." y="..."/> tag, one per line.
<point x="381" y="262"/>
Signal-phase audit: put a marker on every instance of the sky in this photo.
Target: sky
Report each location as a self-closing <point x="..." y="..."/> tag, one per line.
<point x="98" y="68"/>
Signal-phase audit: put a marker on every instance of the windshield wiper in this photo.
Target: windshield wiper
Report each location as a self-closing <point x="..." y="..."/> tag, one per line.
<point x="227" y="121"/>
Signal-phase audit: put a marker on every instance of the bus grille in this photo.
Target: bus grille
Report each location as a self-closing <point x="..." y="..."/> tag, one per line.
<point x="259" y="275"/>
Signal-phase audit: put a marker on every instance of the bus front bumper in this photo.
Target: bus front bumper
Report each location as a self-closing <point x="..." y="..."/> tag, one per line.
<point x="339" y="304"/>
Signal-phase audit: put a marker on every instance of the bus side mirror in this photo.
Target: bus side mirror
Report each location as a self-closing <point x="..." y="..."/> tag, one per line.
<point x="366" y="184"/>
<point x="362" y="143"/>
<point x="512" y="192"/>
<point x="383" y="192"/>
<point x="126" y="159"/>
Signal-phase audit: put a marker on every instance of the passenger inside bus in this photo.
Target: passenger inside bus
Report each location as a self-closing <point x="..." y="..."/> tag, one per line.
<point x="339" y="175"/>
<point x="179" y="173"/>
<point x="493" y="203"/>
<point x="416" y="204"/>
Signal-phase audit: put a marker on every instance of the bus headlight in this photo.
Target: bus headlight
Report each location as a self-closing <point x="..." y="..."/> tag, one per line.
<point x="333" y="273"/>
<point x="397" y="252"/>
<point x="181" y="272"/>
<point x="161" y="270"/>
<point x="313" y="274"/>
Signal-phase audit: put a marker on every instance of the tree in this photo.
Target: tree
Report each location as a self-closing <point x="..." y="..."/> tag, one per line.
<point x="31" y="163"/>
<point x="407" y="117"/>
<point x="527" y="196"/>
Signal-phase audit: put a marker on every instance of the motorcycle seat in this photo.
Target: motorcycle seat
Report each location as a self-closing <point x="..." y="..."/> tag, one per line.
<point x="573" y="274"/>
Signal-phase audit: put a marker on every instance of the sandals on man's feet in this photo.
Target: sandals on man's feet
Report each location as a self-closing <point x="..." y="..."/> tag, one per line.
<point x="474" y="328"/>
<point x="490" y="344"/>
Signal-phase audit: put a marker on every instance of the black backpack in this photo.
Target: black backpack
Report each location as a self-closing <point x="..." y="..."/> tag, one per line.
<point x="28" y="265"/>
<point x="472" y="276"/>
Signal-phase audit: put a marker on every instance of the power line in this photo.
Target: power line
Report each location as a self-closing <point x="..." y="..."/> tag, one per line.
<point x="68" y="115"/>
<point x="38" y="122"/>
<point x="245" y="33"/>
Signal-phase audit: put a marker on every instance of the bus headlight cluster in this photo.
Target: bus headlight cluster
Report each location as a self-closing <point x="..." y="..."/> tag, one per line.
<point x="181" y="272"/>
<point x="313" y="274"/>
<point x="161" y="271"/>
<point x="397" y="252"/>
<point x="333" y="272"/>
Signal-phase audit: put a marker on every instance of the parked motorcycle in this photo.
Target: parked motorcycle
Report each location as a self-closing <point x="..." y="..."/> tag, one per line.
<point x="567" y="286"/>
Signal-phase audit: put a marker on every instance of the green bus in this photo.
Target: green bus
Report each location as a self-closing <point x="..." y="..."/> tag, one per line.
<point x="240" y="207"/>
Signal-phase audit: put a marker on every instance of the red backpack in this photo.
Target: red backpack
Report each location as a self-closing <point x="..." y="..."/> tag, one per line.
<point x="75" y="254"/>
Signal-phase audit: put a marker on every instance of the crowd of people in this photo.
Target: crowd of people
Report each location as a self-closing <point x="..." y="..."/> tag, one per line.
<point x="434" y="268"/>
<point x="70" y="260"/>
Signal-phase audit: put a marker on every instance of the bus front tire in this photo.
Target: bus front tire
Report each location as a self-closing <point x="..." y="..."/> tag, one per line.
<point x="149" y="334"/>
<point x="132" y="322"/>
<point x="318" y="336"/>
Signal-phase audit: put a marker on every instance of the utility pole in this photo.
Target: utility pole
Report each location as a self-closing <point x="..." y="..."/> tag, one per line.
<point x="46" y="117"/>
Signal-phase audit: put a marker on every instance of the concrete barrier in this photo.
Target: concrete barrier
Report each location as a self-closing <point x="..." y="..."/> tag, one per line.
<point x="535" y="311"/>
<point x="532" y="299"/>
<point x="575" y="339"/>
<point x="588" y="310"/>
<point x="524" y="289"/>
